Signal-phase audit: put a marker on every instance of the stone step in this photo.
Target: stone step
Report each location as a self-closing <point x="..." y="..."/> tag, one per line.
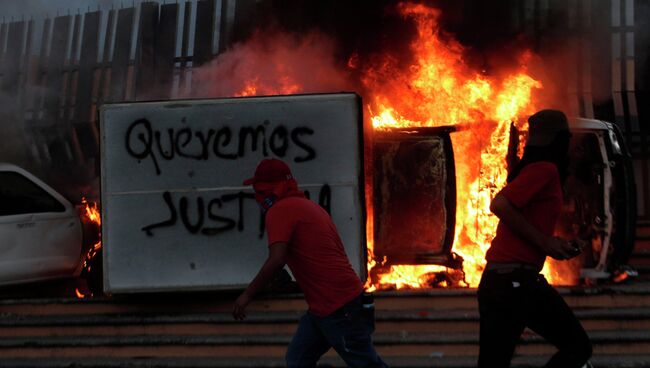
<point x="643" y="229"/>
<point x="642" y="244"/>
<point x="630" y="295"/>
<point x="600" y="361"/>
<point x="227" y="346"/>
<point x="282" y="322"/>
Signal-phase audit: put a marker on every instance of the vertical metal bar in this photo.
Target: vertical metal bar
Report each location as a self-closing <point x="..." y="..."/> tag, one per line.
<point x="27" y="71"/>
<point x="617" y="72"/>
<point x="616" y="13"/>
<point x="228" y="22"/>
<point x="11" y="59"/>
<point x="87" y="61"/>
<point x="39" y="102"/>
<point x="55" y="66"/>
<point x="587" y="32"/>
<point x="185" y="56"/>
<point x="72" y="68"/>
<point x="121" y="54"/>
<point x="131" y="69"/>
<point x="3" y="39"/>
<point x="630" y="81"/>
<point x="217" y="26"/>
<point x="105" y="79"/>
<point x="641" y="167"/>
<point x="73" y="79"/>
<point x="204" y="32"/>
<point x="573" y="83"/>
<point x="144" y="63"/>
<point x="3" y="50"/>
<point x="87" y="88"/>
<point x="165" y="50"/>
<point x="629" y="13"/>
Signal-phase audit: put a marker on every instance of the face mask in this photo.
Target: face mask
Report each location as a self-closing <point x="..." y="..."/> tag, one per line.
<point x="265" y="200"/>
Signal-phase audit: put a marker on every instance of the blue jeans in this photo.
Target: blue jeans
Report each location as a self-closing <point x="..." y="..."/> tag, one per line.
<point x="347" y="330"/>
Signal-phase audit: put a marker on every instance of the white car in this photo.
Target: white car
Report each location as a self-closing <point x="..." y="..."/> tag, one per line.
<point x="41" y="234"/>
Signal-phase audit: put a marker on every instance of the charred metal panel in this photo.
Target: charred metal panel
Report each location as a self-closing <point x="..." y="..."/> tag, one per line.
<point x="87" y="64"/>
<point x="12" y="58"/>
<point x="414" y="197"/>
<point x="175" y="215"/>
<point x="226" y="24"/>
<point x="121" y="53"/>
<point x="41" y="78"/>
<point x="3" y="47"/>
<point x="58" y="53"/>
<point x="165" y="51"/>
<point x="204" y="32"/>
<point x="28" y="69"/>
<point x="105" y="75"/>
<point x="72" y="70"/>
<point x="145" y="76"/>
<point x="185" y="46"/>
<point x="3" y="38"/>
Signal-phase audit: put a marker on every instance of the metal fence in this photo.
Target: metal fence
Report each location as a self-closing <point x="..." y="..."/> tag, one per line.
<point x="56" y="72"/>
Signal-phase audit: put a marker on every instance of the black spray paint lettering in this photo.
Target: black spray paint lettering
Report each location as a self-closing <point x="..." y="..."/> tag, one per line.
<point x="197" y="217"/>
<point x="144" y="142"/>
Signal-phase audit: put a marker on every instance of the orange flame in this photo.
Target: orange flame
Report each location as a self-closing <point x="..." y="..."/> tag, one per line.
<point x="91" y="214"/>
<point x="91" y="211"/>
<point x="79" y="294"/>
<point x="439" y="89"/>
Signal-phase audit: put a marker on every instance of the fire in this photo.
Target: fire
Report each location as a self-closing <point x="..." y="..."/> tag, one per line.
<point x="91" y="211"/>
<point x="90" y="214"/>
<point x="437" y="88"/>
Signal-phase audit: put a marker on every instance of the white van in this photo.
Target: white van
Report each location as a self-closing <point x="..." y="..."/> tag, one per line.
<point x="40" y="231"/>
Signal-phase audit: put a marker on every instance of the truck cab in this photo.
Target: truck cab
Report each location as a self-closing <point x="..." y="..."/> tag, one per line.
<point x="40" y="231"/>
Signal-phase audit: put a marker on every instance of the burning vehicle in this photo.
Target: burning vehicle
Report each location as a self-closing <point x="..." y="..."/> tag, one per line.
<point x="414" y="199"/>
<point x="600" y="198"/>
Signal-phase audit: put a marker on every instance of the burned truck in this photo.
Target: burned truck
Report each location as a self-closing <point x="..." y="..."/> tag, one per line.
<point x="414" y="200"/>
<point x="176" y="216"/>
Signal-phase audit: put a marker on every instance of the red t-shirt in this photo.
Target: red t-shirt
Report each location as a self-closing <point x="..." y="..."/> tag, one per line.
<point x="537" y="193"/>
<point x="316" y="255"/>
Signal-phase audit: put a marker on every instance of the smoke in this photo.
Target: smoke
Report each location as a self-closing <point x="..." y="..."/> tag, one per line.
<point x="304" y="47"/>
<point x="273" y="63"/>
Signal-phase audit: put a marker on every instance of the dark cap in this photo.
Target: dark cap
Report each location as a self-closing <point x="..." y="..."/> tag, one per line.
<point x="544" y="126"/>
<point x="270" y="170"/>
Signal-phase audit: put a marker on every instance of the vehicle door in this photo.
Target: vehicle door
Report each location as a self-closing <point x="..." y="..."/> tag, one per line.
<point x="40" y="232"/>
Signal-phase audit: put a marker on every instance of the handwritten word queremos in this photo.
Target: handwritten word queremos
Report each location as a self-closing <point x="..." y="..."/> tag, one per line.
<point x="144" y="142"/>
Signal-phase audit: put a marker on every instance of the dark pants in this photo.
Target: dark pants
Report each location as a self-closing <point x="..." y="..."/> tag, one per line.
<point x="509" y="301"/>
<point x="347" y="330"/>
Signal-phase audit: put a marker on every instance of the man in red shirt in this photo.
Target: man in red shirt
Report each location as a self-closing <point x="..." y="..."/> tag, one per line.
<point x="302" y="235"/>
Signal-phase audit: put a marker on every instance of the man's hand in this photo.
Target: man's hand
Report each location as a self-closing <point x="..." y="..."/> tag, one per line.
<point x="560" y="249"/>
<point x="239" y="308"/>
<point x="275" y="261"/>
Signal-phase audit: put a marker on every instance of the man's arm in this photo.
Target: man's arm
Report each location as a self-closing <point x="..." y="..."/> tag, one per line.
<point x="276" y="260"/>
<point x="517" y="223"/>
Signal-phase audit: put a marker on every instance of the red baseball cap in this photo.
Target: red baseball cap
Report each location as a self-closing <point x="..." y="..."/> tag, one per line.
<point x="270" y="170"/>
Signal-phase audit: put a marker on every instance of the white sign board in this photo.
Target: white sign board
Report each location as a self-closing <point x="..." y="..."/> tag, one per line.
<point x="175" y="215"/>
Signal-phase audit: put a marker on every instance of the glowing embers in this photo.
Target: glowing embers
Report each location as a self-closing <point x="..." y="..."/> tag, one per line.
<point x="414" y="202"/>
